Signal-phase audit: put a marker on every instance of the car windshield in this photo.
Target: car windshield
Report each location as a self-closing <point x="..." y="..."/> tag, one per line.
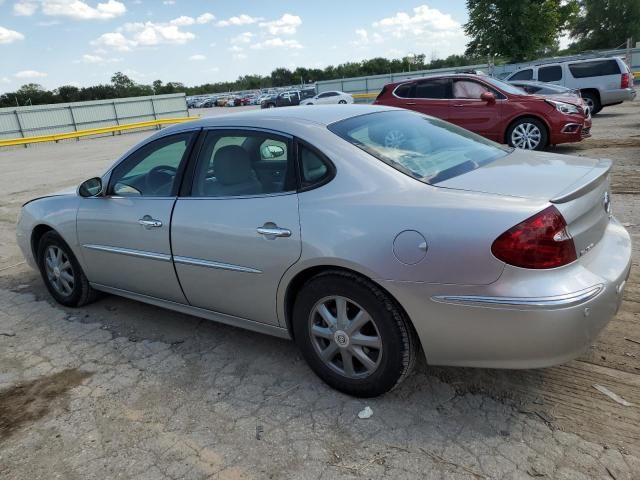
<point x="425" y="148"/>
<point x="505" y="87"/>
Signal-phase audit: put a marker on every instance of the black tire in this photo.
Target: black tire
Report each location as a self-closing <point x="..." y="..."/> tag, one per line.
<point x="81" y="292"/>
<point x="397" y="338"/>
<point x="593" y="100"/>
<point x="342" y="102"/>
<point x="544" y="135"/>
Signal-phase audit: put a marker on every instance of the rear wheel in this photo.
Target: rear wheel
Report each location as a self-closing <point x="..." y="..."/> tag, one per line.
<point x="62" y="273"/>
<point x="528" y="134"/>
<point x="342" y="102"/>
<point x="353" y="335"/>
<point x="593" y="102"/>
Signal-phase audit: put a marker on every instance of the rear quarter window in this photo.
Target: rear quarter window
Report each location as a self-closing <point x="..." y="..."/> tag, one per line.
<point x="403" y="91"/>
<point x="596" y="68"/>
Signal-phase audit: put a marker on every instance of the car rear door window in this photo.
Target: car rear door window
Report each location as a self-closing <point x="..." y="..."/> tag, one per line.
<point x="526" y="74"/>
<point x="595" y="68"/>
<point x="438" y="88"/>
<point x="550" y="74"/>
<point x="242" y="164"/>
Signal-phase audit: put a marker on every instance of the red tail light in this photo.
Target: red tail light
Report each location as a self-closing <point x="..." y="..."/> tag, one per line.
<point x="541" y="241"/>
<point x="624" y="80"/>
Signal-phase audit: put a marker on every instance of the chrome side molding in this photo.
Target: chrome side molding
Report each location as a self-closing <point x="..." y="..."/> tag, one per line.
<point x="559" y="301"/>
<point x="209" y="264"/>
<point x="163" y="257"/>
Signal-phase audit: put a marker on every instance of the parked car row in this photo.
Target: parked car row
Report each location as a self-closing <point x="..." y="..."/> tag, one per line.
<point x="601" y="81"/>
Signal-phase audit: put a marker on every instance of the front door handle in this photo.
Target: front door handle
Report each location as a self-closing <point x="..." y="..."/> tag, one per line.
<point x="148" y="222"/>
<point x="271" y="231"/>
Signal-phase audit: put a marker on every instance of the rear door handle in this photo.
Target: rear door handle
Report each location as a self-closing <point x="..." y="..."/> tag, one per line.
<point x="273" y="231"/>
<point x="148" y="222"/>
<point x="410" y="103"/>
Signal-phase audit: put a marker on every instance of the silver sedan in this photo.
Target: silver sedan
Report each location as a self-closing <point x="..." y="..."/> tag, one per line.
<point x="363" y="233"/>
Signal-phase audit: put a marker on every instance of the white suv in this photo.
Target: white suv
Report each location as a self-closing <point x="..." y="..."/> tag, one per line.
<point x="601" y="81"/>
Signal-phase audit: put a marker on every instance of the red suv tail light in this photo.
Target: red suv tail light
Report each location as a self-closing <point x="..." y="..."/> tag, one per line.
<point x="541" y="241"/>
<point x="624" y="80"/>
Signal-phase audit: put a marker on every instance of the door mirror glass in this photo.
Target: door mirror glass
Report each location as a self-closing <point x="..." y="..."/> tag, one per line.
<point x="272" y="151"/>
<point x="488" y="97"/>
<point x="91" y="187"/>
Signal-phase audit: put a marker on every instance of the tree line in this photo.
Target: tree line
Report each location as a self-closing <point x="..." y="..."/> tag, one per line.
<point x="504" y="30"/>
<point x="122" y="86"/>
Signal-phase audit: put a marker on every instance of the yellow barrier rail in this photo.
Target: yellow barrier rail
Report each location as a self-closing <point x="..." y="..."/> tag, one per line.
<point x="364" y="95"/>
<point x="55" y="137"/>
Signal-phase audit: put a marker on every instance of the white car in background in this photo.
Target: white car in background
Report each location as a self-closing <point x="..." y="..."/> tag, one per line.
<point x="326" y="98"/>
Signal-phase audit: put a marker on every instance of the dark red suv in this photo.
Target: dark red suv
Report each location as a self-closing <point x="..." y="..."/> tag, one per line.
<point x="493" y="109"/>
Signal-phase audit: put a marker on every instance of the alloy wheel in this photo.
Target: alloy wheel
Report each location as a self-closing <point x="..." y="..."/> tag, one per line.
<point x="345" y="337"/>
<point x="394" y="139"/>
<point x="526" y="136"/>
<point x="59" y="270"/>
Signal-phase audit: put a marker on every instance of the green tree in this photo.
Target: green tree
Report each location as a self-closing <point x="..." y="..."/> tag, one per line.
<point x="519" y="30"/>
<point x="605" y="23"/>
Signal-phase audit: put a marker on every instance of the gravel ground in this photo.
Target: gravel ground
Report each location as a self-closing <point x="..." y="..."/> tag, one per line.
<point x="126" y="390"/>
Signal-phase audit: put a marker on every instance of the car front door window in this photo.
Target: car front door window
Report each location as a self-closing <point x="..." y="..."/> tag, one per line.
<point x="152" y="170"/>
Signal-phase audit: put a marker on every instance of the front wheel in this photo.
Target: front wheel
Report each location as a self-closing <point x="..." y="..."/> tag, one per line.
<point x="353" y="335"/>
<point x="528" y="134"/>
<point x="342" y="102"/>
<point x="62" y="273"/>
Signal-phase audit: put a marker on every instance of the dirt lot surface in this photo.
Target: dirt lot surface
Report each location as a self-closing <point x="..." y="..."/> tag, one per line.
<point x="119" y="389"/>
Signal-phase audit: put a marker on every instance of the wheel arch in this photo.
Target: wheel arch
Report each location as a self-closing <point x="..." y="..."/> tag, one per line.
<point x="300" y="278"/>
<point x="36" y="234"/>
<point x="523" y="116"/>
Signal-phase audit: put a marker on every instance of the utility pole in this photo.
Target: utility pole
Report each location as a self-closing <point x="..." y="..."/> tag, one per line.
<point x="628" y="54"/>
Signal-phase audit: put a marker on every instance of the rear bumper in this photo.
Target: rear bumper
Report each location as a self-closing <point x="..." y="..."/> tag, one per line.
<point x="611" y="97"/>
<point x="526" y="319"/>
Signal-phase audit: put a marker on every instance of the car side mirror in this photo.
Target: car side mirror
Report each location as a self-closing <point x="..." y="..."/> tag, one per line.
<point x="488" y="97"/>
<point x="90" y="188"/>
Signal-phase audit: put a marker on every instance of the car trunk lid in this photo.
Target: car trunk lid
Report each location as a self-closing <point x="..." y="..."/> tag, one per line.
<point x="577" y="186"/>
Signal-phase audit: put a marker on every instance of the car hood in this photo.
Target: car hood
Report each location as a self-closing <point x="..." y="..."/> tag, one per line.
<point x="523" y="173"/>
<point x="69" y="191"/>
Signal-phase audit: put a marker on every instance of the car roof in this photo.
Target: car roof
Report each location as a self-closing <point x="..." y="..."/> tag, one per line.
<point x="322" y="115"/>
<point x="442" y="75"/>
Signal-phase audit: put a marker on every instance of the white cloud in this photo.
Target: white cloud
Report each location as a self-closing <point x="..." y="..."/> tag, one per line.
<point x="9" y="36"/>
<point x="79" y="10"/>
<point x="239" y="56"/>
<point x="423" y="20"/>
<point x="169" y="2"/>
<point x="236" y="48"/>
<point x="182" y="21"/>
<point x="87" y="58"/>
<point x="243" y="38"/>
<point x="205" y="18"/>
<point x="243" y="19"/>
<point x="114" y="40"/>
<point x="285" y="25"/>
<point x="277" y="43"/>
<point x="137" y="34"/>
<point x="197" y="58"/>
<point x="365" y="39"/>
<point x="30" y="74"/>
<point x="424" y="28"/>
<point x="24" y="9"/>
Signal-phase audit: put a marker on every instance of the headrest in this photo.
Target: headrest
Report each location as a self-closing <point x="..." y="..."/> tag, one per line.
<point x="232" y="165"/>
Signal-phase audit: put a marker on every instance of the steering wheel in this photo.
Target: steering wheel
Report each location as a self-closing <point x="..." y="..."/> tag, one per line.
<point x="160" y="178"/>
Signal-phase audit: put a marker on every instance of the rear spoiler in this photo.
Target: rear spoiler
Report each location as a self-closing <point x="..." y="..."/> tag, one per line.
<point x="591" y="180"/>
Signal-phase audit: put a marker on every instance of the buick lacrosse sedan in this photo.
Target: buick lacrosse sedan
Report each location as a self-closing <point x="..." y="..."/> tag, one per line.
<point x="363" y="233"/>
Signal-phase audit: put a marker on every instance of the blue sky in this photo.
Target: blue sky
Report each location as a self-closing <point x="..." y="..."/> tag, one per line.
<point x="82" y="42"/>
